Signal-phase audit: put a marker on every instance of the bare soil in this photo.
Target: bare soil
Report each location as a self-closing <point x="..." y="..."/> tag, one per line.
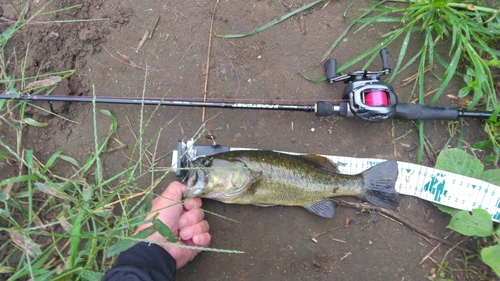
<point x="261" y="68"/>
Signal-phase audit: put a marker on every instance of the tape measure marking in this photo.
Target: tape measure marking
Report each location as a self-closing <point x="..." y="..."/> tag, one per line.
<point x="434" y="185"/>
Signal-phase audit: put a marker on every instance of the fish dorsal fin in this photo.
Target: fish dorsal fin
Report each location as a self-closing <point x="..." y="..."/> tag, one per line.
<point x="323" y="161"/>
<point x="324" y="208"/>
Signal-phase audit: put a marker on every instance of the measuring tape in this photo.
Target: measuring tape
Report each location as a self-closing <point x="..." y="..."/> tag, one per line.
<point x="427" y="183"/>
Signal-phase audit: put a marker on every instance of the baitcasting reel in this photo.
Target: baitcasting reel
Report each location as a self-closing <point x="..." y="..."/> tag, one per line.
<point x="373" y="100"/>
<point x="368" y="97"/>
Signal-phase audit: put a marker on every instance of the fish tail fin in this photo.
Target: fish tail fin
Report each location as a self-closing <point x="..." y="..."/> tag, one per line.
<point x="380" y="181"/>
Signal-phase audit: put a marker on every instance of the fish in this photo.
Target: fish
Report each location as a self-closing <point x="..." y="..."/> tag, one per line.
<point x="268" y="178"/>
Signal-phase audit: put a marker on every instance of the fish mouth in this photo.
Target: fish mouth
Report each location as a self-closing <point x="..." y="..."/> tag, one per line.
<point x="195" y="183"/>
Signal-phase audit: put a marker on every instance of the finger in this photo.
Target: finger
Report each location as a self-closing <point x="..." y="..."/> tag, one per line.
<point x="202" y="239"/>
<point x="167" y="206"/>
<point x="191" y="217"/>
<point x="174" y="191"/>
<point x="188" y="232"/>
<point x="169" y="198"/>
<point x="193" y="203"/>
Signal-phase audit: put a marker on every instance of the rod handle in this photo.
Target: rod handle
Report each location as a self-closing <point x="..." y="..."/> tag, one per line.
<point x="409" y="111"/>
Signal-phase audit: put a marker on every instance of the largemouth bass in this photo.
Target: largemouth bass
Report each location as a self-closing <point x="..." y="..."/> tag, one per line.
<point x="267" y="178"/>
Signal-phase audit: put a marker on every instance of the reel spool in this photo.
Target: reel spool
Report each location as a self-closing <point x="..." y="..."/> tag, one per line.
<point x="369" y="97"/>
<point x="376" y="98"/>
<point x="371" y="100"/>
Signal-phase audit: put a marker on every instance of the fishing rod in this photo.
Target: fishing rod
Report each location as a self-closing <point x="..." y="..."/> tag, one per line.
<point x="166" y="102"/>
<point x="364" y="96"/>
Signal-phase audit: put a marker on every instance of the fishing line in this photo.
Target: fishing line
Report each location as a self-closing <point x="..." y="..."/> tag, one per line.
<point x="132" y="64"/>
<point x="13" y="97"/>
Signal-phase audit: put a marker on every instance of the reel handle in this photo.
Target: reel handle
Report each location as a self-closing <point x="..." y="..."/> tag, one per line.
<point x="384" y="55"/>
<point x="330" y="70"/>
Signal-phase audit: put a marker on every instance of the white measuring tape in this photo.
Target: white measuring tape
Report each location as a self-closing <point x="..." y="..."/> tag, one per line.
<point x="427" y="183"/>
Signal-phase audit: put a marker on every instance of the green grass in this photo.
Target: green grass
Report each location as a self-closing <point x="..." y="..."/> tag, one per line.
<point x="468" y="30"/>
<point x="63" y="219"/>
<point x="69" y="227"/>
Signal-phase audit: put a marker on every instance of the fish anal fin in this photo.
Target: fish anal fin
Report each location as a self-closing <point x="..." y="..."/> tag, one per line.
<point x="324" y="208"/>
<point x="323" y="161"/>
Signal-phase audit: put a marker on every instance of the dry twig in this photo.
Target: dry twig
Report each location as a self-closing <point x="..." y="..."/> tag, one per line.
<point x="407" y="223"/>
<point x="154" y="27"/>
<point x="144" y="38"/>
<point x="147" y="35"/>
<point x="435" y="248"/>
<point x="425" y="95"/>
<point x="412" y="78"/>
<point x="316" y="235"/>
<point x="205" y="90"/>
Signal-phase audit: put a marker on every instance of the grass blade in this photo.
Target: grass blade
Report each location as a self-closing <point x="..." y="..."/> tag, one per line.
<point x="448" y="74"/>
<point x="25" y="243"/>
<point x="22" y="178"/>
<point x="271" y="23"/>
<point x="51" y="161"/>
<point x="421" y="91"/>
<point x="34" y="123"/>
<point x="353" y="22"/>
<point x="372" y="50"/>
<point x="165" y="231"/>
<point x="402" y="54"/>
<point x="127" y="243"/>
<point x="76" y="232"/>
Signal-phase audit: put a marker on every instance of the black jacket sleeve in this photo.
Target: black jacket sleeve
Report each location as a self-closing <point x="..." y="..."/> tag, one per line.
<point x="143" y="262"/>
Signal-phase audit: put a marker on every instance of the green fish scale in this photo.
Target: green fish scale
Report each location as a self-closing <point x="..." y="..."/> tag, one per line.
<point x="283" y="179"/>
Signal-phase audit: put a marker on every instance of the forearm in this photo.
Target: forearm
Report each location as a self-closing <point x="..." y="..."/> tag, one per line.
<point x="143" y="262"/>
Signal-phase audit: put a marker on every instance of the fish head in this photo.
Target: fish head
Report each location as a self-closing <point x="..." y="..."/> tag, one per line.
<point x="218" y="179"/>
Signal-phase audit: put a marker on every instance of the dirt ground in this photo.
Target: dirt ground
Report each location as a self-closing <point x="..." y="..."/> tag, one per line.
<point x="261" y="68"/>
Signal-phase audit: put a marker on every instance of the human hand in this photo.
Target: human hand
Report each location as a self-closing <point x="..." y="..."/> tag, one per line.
<point x="185" y="220"/>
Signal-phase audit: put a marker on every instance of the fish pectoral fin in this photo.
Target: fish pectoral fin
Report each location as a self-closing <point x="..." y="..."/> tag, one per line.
<point x="324" y="208"/>
<point x="264" y="205"/>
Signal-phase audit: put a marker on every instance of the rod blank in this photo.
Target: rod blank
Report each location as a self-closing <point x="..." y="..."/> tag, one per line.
<point x="289" y="107"/>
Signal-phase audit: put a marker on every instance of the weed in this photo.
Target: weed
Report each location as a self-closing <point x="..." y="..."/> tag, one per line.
<point x="67" y="224"/>
<point x="478" y="222"/>
<point x="274" y="22"/>
<point x="66" y="227"/>
<point x="468" y="31"/>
